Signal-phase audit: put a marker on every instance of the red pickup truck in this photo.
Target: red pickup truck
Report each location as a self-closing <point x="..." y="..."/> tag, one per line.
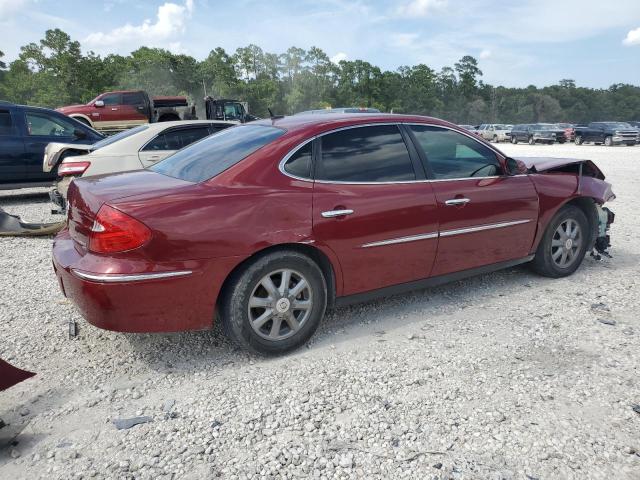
<point x="119" y="110"/>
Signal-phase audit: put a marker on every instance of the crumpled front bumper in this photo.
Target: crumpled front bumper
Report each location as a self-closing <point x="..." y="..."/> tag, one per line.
<point x="603" y="240"/>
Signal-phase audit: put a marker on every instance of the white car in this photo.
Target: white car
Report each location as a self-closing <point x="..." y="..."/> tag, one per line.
<point x="495" y="132"/>
<point x="133" y="149"/>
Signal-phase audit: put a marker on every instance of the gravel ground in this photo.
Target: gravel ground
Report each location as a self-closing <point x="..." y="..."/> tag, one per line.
<point x="502" y="376"/>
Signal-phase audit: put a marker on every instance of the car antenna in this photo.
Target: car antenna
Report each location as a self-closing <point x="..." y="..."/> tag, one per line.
<point x="274" y="117"/>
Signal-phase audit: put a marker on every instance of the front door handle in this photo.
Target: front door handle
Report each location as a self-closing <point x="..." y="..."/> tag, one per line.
<point x="336" y="213"/>
<point x="456" y="201"/>
<point x="114" y="109"/>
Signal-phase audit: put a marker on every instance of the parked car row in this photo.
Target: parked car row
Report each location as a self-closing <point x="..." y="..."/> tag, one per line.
<point x="607" y="133"/>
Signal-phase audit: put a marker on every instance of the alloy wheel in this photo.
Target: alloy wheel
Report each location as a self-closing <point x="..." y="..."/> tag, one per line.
<point x="566" y="243"/>
<point x="280" y="304"/>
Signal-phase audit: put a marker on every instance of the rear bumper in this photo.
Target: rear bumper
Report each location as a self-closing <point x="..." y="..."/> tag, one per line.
<point x="127" y="296"/>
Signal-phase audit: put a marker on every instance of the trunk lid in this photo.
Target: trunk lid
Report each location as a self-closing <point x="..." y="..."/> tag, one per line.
<point x="87" y="195"/>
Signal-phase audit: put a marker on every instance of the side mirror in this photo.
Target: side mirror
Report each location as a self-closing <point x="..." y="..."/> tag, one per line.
<point x="79" y="134"/>
<point x="515" y="167"/>
<point x="98" y="103"/>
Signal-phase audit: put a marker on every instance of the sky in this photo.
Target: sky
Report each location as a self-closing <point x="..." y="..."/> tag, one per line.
<point x="517" y="43"/>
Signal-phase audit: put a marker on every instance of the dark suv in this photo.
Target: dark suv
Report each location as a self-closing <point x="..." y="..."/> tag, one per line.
<point x="537" y="133"/>
<point x="24" y="134"/>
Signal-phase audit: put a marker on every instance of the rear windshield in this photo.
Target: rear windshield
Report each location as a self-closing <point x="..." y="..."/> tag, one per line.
<point x="118" y="136"/>
<point x="212" y="155"/>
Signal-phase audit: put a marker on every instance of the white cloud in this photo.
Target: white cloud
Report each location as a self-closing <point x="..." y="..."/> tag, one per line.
<point x="9" y="7"/>
<point x="404" y="40"/>
<point x="484" y="54"/>
<point x="338" y="57"/>
<point x="170" y="21"/>
<point x="420" y="8"/>
<point x="633" y="37"/>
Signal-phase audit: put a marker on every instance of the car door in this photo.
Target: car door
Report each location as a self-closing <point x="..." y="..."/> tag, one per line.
<point x="373" y="208"/>
<point x="42" y="128"/>
<point x="485" y="217"/>
<point x="169" y="141"/>
<point x="135" y="109"/>
<point x="108" y="115"/>
<point x="12" y="161"/>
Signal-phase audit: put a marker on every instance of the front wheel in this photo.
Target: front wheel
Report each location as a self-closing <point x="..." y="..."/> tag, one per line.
<point x="275" y="303"/>
<point x="608" y="141"/>
<point x="577" y="140"/>
<point x="563" y="245"/>
<point x="531" y="141"/>
<point x="514" y="140"/>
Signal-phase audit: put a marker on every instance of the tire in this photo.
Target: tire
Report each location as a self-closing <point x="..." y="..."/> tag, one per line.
<point x="577" y="140"/>
<point x="531" y="141"/>
<point x="548" y="262"/>
<point x="495" y="139"/>
<point x="514" y="140"/>
<point x="248" y="284"/>
<point x="608" y="141"/>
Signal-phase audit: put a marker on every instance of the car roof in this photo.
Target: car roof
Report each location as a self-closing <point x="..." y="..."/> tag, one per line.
<point x="133" y="143"/>
<point x="314" y="124"/>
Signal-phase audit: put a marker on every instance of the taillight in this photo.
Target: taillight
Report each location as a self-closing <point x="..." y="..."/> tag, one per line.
<point x="73" y="168"/>
<point x="114" y="231"/>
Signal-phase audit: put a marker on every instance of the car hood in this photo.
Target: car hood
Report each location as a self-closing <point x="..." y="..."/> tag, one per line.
<point x="70" y="107"/>
<point x="545" y="164"/>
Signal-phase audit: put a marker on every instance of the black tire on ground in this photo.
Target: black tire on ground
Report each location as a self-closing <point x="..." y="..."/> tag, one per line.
<point x="531" y="141"/>
<point x="608" y="141"/>
<point x="553" y="242"/>
<point x="577" y="140"/>
<point x="247" y="285"/>
<point x="514" y="140"/>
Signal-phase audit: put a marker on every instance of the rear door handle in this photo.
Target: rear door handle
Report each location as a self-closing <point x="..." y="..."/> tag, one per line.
<point x="336" y="213"/>
<point x="456" y="201"/>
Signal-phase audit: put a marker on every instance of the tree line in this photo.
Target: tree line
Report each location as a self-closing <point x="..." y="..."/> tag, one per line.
<point x="54" y="72"/>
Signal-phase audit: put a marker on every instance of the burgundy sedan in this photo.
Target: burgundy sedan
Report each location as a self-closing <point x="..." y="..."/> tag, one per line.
<point x="270" y="223"/>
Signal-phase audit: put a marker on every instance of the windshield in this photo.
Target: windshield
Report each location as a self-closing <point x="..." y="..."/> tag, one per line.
<point x="118" y="136"/>
<point x="212" y="155"/>
<point x="545" y="126"/>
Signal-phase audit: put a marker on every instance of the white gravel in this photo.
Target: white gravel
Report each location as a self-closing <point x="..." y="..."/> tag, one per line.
<point x="503" y="376"/>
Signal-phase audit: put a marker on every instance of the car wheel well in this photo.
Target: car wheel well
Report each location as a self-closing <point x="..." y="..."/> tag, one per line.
<point x="588" y="207"/>
<point x="313" y="253"/>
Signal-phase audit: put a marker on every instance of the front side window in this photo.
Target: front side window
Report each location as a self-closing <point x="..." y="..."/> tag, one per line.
<point x="39" y="123"/>
<point x="111" y="99"/>
<point x="299" y="164"/>
<point x="212" y="155"/>
<point x="365" y="154"/>
<point x="453" y="155"/>
<point x="6" y="124"/>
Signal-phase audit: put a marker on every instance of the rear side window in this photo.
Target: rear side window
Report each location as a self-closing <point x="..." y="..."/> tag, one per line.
<point x="207" y="158"/>
<point x="453" y="155"/>
<point x="133" y="98"/>
<point x="365" y="154"/>
<point x="6" y="124"/>
<point x="299" y="164"/>
<point x="177" y="138"/>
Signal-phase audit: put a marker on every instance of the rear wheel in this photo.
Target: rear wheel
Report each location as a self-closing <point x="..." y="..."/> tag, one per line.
<point x="274" y="304"/>
<point x="563" y="245"/>
<point x="577" y="140"/>
<point x="514" y="140"/>
<point x="608" y="141"/>
<point x="531" y="141"/>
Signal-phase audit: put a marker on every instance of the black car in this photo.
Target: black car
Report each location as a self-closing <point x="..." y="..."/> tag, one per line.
<point x="24" y="134"/>
<point x="537" y="133"/>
